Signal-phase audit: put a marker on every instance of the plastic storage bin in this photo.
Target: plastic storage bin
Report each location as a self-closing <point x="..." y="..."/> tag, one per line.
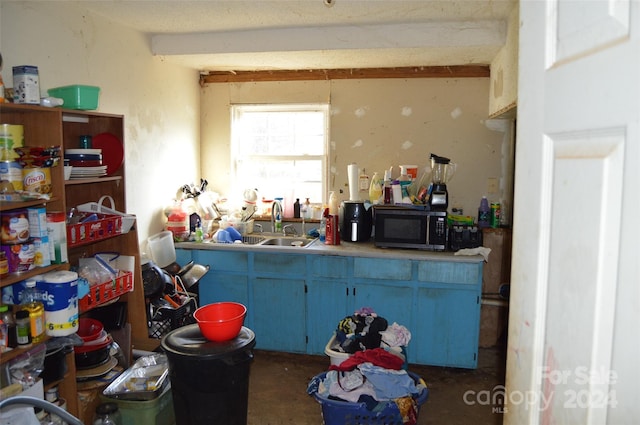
<point x="77" y="96"/>
<point x="336" y="412"/>
<point x="337" y="357"/>
<point x="158" y="411"/>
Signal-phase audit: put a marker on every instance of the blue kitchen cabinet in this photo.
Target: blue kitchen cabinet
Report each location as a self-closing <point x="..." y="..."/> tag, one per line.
<point x="327" y="298"/>
<point x="447" y="319"/>
<point x="227" y="278"/>
<point x="278" y="302"/>
<point x="295" y="301"/>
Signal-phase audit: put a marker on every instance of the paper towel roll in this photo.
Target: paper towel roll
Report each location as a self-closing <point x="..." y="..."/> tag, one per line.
<point x="352" y="172"/>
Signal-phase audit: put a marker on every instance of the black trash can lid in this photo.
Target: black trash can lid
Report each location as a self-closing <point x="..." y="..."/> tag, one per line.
<point x="188" y="341"/>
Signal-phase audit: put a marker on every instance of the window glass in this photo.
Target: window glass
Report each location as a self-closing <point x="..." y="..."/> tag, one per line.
<point x="281" y="150"/>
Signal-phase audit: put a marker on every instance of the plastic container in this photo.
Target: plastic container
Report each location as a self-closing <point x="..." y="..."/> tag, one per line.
<point x="162" y="248"/>
<point x="77" y="96"/>
<point x="336" y="412"/>
<point x="209" y="380"/>
<point x="107" y="414"/>
<point x="158" y="411"/>
<point x="484" y="213"/>
<point x="30" y="300"/>
<point x="220" y="321"/>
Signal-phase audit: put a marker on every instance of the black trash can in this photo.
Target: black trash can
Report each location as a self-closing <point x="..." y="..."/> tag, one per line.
<point x="209" y="380"/>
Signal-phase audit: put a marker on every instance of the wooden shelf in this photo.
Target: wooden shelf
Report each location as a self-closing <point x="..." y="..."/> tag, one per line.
<point x="53" y="127"/>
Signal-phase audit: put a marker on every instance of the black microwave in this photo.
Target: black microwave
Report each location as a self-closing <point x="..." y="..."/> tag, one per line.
<point x="410" y="227"/>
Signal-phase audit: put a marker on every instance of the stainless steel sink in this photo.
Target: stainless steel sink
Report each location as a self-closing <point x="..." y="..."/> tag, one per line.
<point x="287" y="241"/>
<point x="252" y="239"/>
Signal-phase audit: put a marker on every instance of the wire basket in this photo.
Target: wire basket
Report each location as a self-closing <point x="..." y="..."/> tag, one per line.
<point x="167" y="319"/>
<point x="336" y="412"/>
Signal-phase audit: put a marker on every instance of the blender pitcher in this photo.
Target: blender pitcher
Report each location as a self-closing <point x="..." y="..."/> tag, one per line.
<point x="442" y="171"/>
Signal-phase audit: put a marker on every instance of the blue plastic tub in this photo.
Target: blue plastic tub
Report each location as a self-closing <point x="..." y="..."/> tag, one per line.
<point x="335" y="412"/>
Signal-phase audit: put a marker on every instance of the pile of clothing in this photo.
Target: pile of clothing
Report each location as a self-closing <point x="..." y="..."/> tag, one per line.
<point x="366" y="330"/>
<point x="374" y="378"/>
<point x="375" y="373"/>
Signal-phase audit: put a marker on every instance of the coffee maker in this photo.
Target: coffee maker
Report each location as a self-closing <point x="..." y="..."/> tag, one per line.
<point x="441" y="172"/>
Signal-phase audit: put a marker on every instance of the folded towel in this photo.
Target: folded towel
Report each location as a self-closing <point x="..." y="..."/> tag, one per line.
<point x="481" y="250"/>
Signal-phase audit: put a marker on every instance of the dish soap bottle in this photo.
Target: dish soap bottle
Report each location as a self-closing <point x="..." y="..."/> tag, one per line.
<point x="375" y="189"/>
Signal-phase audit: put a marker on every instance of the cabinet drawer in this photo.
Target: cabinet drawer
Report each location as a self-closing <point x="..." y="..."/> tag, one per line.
<point x="380" y="268"/>
<point x="450" y="272"/>
<point x="280" y="263"/>
<point x="222" y="260"/>
<point x="329" y="266"/>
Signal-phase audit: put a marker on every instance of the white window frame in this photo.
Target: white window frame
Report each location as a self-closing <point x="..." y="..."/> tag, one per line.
<point x="237" y="109"/>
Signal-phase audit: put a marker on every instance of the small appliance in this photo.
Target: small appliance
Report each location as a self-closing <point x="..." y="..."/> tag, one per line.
<point x="355" y="220"/>
<point x="410" y="227"/>
<point x="441" y="172"/>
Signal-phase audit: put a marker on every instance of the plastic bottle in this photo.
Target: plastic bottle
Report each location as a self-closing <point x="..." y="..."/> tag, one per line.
<point x="484" y="213"/>
<point x="308" y="209"/>
<point x="363" y="181"/>
<point x="23" y="326"/>
<point x="30" y="300"/>
<point x="278" y="215"/>
<point x="296" y="208"/>
<point x="322" y="229"/>
<point x="333" y="203"/>
<point x="375" y="188"/>
<point x="405" y="181"/>
<point x="7" y="318"/>
<point x="388" y="199"/>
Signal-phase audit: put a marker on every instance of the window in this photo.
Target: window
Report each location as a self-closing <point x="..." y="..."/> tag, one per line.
<point x="281" y="150"/>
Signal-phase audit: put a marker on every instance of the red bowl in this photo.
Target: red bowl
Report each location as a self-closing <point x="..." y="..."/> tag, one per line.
<point x="220" y="321"/>
<point x="89" y="329"/>
<point x="95" y="347"/>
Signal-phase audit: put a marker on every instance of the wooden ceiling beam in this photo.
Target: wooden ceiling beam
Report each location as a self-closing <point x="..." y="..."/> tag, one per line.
<point x="454" y="71"/>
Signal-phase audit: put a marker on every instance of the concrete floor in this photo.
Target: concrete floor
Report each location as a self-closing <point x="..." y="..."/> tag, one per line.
<point x="278" y="383"/>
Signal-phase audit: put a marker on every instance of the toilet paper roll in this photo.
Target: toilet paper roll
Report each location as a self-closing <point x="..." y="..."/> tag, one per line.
<point x="352" y="172"/>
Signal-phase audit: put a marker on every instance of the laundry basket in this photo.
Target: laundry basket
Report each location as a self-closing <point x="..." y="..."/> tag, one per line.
<point x="336" y="412"/>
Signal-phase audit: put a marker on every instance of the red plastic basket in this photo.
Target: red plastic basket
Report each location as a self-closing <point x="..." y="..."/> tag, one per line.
<point x="107" y="291"/>
<point x="83" y="233"/>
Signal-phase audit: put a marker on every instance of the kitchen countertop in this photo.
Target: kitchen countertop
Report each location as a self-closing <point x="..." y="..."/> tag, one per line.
<point x="346" y="249"/>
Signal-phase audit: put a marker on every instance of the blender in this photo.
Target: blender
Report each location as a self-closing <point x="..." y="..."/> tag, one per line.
<point x="441" y="172"/>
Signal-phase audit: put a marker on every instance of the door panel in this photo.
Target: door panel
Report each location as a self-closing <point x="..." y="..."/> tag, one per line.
<point x="573" y="345"/>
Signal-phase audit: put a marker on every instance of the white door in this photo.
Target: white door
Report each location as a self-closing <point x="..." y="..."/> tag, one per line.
<point x="574" y="326"/>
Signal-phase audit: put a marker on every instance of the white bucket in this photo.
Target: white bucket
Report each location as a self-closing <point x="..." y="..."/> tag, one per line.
<point x="162" y="249"/>
<point x="60" y="299"/>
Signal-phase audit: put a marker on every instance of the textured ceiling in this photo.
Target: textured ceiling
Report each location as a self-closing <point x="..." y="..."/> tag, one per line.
<point x="309" y="34"/>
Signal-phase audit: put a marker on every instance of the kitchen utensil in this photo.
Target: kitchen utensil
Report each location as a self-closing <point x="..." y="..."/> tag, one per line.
<point x="220" y="321"/>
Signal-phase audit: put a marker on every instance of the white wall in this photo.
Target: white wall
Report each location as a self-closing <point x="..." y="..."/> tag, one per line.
<point x="160" y="101"/>
<point x="378" y="124"/>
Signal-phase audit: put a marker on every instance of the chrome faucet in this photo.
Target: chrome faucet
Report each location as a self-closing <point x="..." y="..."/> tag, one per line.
<point x="291" y="228"/>
<point x="276" y="216"/>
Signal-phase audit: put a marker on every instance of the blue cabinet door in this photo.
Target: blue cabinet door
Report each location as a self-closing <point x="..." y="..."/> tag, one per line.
<point x="278" y="306"/>
<point x="326" y="306"/>
<point x="226" y="279"/>
<point x="447" y="327"/>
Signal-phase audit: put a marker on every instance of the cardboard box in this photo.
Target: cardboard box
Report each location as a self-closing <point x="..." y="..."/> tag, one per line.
<point x="37" y="222"/>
